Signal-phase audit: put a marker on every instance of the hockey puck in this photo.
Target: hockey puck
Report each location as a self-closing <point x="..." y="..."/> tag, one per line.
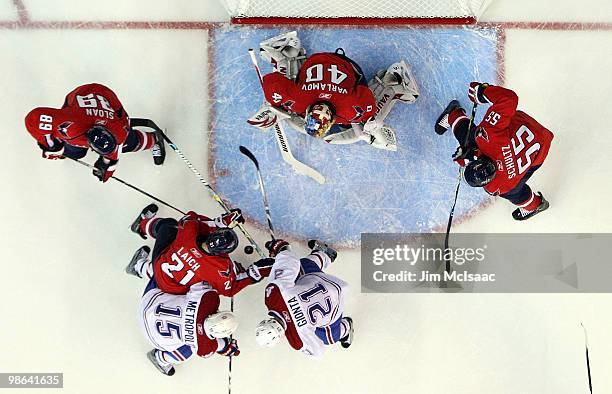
<point x="249" y="249"/>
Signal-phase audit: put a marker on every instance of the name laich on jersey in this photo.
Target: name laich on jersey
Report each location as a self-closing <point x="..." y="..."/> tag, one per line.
<point x="297" y="314"/>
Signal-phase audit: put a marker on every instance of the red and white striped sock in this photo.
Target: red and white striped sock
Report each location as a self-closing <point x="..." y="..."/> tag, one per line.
<point x="145" y="140"/>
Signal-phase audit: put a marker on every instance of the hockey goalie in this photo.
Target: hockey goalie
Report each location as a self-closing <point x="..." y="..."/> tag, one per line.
<point x="326" y="95"/>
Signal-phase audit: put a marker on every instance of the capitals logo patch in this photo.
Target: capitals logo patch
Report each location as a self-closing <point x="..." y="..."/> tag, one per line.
<point x="63" y="128"/>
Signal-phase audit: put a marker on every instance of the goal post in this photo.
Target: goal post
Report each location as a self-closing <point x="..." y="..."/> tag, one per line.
<point x="355" y="12"/>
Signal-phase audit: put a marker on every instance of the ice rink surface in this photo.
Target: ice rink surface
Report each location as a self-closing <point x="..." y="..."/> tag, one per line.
<point x="68" y="306"/>
<point x="366" y="189"/>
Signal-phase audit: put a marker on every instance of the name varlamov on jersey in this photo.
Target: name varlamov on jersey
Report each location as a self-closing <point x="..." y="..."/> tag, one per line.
<point x="330" y="87"/>
<point x="296" y="311"/>
<point x="189" y="336"/>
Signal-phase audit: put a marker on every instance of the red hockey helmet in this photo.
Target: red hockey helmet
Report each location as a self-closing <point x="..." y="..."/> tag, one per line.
<point x="319" y="119"/>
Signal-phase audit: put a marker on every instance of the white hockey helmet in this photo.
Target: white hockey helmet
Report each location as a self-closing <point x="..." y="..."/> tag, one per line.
<point x="220" y="324"/>
<point x="269" y="332"/>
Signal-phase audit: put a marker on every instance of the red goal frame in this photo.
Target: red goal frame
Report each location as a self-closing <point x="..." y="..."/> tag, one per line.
<point x="467" y="20"/>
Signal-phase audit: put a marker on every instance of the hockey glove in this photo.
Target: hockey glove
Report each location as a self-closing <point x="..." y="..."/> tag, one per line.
<point x="230" y="348"/>
<point x="230" y="219"/>
<point x="276" y="246"/>
<point x="53" y="153"/>
<point x="104" y="168"/>
<point x="463" y="155"/>
<point x="260" y="269"/>
<point x="476" y="92"/>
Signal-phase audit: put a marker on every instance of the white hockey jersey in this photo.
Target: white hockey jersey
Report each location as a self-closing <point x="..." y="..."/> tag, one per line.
<point x="305" y="301"/>
<point x="169" y="321"/>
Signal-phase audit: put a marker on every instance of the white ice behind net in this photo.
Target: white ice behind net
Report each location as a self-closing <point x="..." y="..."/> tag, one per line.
<point x="357" y="8"/>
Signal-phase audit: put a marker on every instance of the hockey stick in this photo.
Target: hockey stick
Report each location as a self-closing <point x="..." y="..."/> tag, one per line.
<point x="129" y="185"/>
<point x="215" y="196"/>
<point x="251" y="156"/>
<point x="588" y="361"/>
<point x="229" y="367"/>
<point x="281" y="139"/>
<point x="452" y="212"/>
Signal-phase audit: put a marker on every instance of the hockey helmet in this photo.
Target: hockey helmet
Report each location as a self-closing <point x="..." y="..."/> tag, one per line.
<point x="269" y="332"/>
<point x="479" y="172"/>
<point x="101" y="140"/>
<point x="220" y="324"/>
<point x="221" y="241"/>
<point x="319" y="119"/>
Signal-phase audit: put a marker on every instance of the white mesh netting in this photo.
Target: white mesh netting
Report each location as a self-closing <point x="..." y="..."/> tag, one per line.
<point x="356" y="8"/>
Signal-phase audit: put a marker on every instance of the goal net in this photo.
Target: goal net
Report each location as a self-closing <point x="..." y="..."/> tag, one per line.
<point x="356" y="11"/>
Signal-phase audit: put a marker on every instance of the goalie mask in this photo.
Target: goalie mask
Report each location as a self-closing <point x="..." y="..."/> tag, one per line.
<point x="479" y="172"/>
<point x="101" y="140"/>
<point x="319" y="119"/>
<point x="221" y="241"/>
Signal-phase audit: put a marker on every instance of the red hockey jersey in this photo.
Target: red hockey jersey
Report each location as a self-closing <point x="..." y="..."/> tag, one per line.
<point x="183" y="263"/>
<point x="512" y="139"/>
<point x="323" y="77"/>
<point x="84" y="107"/>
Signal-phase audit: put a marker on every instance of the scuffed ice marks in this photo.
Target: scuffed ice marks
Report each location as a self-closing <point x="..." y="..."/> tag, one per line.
<point x="367" y="190"/>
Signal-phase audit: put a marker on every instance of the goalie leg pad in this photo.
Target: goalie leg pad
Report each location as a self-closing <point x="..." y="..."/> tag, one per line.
<point x="285" y="53"/>
<point x="392" y="85"/>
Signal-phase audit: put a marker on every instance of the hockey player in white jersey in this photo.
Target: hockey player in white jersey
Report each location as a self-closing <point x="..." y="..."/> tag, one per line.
<point x="179" y="326"/>
<point x="305" y="305"/>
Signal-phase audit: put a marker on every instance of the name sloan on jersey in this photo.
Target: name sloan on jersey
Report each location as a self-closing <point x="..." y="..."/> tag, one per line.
<point x="296" y="311"/>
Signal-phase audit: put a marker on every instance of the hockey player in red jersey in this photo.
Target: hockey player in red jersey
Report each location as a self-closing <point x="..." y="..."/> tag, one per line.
<point x="191" y="250"/>
<point x="305" y="305"/>
<point x="92" y="117"/>
<point x="180" y="326"/>
<point x="327" y="95"/>
<point x="503" y="151"/>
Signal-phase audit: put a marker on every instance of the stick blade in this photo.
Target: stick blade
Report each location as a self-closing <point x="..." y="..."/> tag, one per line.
<point x="245" y="151"/>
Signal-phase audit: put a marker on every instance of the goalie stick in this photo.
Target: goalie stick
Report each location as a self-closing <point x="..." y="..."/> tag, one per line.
<point x="452" y="212"/>
<point x="281" y="139"/>
<point x="264" y="196"/>
<point x="149" y="123"/>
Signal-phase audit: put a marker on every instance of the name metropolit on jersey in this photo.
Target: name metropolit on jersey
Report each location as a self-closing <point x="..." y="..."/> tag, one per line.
<point x="189" y="335"/>
<point x="324" y="86"/>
